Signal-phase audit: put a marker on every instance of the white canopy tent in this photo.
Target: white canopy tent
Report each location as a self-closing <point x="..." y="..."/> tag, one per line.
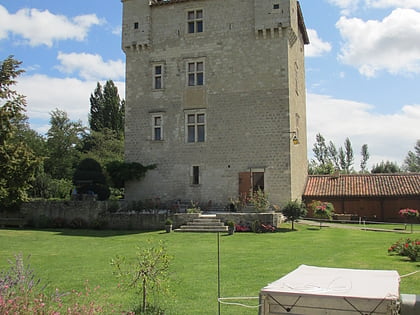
<point x="332" y="291"/>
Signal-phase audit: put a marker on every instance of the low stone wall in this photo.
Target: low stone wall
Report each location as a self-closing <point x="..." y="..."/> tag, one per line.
<point x="95" y="214"/>
<point x="37" y="213"/>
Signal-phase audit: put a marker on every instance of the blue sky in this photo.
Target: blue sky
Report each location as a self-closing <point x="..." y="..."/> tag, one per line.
<point x="362" y="66"/>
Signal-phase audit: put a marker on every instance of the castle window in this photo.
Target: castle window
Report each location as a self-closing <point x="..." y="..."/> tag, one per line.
<point x="196" y="175"/>
<point x="195" y="71"/>
<point x="196" y="127"/>
<point x="195" y="21"/>
<point x="157" y="128"/>
<point x="158" y="77"/>
<point x="276" y="6"/>
<point x="136" y="25"/>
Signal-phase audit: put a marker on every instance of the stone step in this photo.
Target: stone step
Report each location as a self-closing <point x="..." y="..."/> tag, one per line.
<point x="189" y="228"/>
<point x="205" y="223"/>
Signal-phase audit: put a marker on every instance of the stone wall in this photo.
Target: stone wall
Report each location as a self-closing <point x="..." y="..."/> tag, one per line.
<point x="95" y="215"/>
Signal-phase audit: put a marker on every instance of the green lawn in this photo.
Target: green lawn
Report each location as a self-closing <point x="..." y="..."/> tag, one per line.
<point x="65" y="259"/>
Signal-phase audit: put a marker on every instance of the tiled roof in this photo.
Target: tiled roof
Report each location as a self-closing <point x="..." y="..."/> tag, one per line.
<point x="367" y="185"/>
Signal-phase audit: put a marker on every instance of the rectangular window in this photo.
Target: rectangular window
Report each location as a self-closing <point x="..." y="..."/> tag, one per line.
<point x="196" y="127"/>
<point x="196" y="175"/>
<point x="157" y="128"/>
<point x="158" y="77"/>
<point x="195" y="21"/>
<point x="195" y="71"/>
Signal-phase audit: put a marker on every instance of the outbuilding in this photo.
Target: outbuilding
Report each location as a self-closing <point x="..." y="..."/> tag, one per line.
<point x="376" y="197"/>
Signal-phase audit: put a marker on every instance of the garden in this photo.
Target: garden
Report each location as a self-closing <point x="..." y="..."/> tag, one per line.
<point x="74" y="266"/>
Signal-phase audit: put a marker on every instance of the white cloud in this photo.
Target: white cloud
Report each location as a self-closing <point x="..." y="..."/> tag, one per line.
<point x="391" y="44"/>
<point x="349" y="6"/>
<point x="91" y="67"/>
<point x="346" y="6"/>
<point x="388" y="136"/>
<point x="317" y="46"/>
<point x="381" y="4"/>
<point x="44" y="28"/>
<point x="44" y="94"/>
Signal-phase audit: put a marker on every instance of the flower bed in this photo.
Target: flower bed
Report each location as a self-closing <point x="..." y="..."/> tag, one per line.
<point x="408" y="247"/>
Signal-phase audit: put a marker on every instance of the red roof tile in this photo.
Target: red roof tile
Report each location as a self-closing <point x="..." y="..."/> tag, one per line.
<point x="367" y="185"/>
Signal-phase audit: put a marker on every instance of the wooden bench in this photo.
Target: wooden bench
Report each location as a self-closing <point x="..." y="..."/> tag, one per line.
<point x="12" y="222"/>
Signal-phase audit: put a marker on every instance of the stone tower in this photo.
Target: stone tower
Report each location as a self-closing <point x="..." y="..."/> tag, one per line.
<point x="215" y="96"/>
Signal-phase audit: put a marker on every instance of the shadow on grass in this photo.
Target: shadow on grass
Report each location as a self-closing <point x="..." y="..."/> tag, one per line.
<point x="93" y="233"/>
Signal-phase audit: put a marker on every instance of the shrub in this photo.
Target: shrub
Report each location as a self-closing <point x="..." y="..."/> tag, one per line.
<point x="293" y="211"/>
<point x="260" y="200"/>
<point x="408" y="247"/>
<point x="89" y="178"/>
<point x="20" y="293"/>
<point x="78" y="223"/>
<point x="409" y="213"/>
<point x="147" y="274"/>
<point x="321" y="209"/>
<point x="58" y="222"/>
<point x="43" y="222"/>
<point x="195" y="208"/>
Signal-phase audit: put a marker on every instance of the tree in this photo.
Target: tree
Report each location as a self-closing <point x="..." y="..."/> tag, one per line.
<point x="106" y="109"/>
<point x="322" y="163"/>
<point x="120" y="172"/>
<point x="346" y="156"/>
<point x="385" y="167"/>
<point x="105" y="146"/>
<point x="365" y="157"/>
<point x="412" y="161"/>
<point x="17" y="161"/>
<point x="333" y="153"/>
<point x="148" y="273"/>
<point x="293" y="211"/>
<point x="63" y="138"/>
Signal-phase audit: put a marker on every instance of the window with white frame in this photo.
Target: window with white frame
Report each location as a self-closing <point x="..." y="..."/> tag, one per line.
<point x="158" y="77"/>
<point x="196" y="127"/>
<point x="157" y="127"/>
<point x="195" y="73"/>
<point x="195" y="21"/>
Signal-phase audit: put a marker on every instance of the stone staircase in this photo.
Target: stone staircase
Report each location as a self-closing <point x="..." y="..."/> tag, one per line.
<point x="205" y="223"/>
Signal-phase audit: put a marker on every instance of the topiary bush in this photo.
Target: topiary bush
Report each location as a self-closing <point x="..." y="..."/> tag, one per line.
<point x="90" y="179"/>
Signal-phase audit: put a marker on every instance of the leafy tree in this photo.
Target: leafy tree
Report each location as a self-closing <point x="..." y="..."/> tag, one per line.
<point x="120" y="172"/>
<point x="106" y="109"/>
<point x="17" y="161"/>
<point x="148" y="273"/>
<point x="46" y="187"/>
<point x="294" y="210"/>
<point x="385" y="167"/>
<point x="365" y="157"/>
<point x="63" y="138"/>
<point x="105" y="146"/>
<point x="89" y="178"/>
<point x="412" y="161"/>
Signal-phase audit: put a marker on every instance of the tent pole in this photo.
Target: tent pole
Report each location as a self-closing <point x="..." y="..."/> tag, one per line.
<point x="218" y="271"/>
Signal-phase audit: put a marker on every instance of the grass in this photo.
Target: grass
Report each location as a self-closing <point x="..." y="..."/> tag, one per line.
<point x="65" y="259"/>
